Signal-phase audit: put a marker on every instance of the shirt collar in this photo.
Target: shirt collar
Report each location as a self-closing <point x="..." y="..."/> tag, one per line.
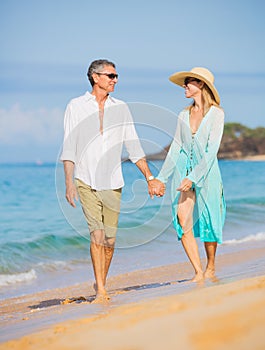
<point x="89" y="97"/>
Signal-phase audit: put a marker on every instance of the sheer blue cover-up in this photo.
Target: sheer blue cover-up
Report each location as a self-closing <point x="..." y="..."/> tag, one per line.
<point x="195" y="157"/>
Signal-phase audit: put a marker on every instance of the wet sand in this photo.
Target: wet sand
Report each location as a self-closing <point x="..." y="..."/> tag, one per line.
<point x="156" y="308"/>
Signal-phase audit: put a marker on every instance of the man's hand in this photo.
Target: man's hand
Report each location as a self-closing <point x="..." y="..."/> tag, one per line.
<point x="156" y="187"/>
<point x="71" y="194"/>
<point x="185" y="185"/>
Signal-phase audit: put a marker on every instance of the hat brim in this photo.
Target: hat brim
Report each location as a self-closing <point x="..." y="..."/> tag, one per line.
<point x="179" y="78"/>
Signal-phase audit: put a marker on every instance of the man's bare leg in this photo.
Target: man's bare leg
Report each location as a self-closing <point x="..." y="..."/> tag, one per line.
<point x="210" y="248"/>
<point x="97" y="252"/>
<point x="109" y="250"/>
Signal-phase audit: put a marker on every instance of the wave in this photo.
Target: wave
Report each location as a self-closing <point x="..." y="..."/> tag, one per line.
<point x="54" y="265"/>
<point x="242" y="204"/>
<point x="45" y="248"/>
<point x="251" y="238"/>
<point x="6" y="280"/>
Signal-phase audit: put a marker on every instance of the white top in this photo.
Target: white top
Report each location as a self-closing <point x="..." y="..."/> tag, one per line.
<point x="97" y="156"/>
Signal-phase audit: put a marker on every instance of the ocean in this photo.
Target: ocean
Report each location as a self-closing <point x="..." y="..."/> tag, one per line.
<point x="44" y="243"/>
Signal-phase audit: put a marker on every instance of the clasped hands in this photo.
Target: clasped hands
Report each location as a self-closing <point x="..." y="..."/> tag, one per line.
<point x="158" y="188"/>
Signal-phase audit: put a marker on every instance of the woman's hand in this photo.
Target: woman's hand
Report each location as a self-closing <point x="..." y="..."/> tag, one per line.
<point x="185" y="185"/>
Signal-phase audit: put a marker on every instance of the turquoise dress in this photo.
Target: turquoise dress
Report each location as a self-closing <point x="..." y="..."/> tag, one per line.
<point x="194" y="156"/>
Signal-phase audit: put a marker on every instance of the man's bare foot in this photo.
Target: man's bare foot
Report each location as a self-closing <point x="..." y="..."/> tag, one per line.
<point x="101" y="298"/>
<point x="210" y="274"/>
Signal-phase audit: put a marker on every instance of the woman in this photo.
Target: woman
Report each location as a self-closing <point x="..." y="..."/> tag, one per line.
<point x="198" y="204"/>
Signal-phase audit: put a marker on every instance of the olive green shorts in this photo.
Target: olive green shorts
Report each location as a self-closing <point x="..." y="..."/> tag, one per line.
<point x="101" y="208"/>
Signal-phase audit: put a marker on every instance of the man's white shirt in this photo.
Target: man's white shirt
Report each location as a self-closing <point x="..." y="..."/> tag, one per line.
<point x="97" y="156"/>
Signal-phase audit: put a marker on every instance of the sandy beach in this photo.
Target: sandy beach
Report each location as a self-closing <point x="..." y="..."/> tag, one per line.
<point x="257" y="158"/>
<point x="149" y="309"/>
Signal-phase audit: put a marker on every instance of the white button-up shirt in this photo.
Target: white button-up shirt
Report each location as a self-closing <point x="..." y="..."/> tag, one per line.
<point x="97" y="156"/>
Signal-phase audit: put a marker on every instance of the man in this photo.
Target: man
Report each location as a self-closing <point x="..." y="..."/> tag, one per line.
<point x="96" y="127"/>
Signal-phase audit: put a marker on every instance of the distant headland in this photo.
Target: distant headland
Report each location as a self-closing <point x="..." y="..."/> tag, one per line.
<point x="238" y="142"/>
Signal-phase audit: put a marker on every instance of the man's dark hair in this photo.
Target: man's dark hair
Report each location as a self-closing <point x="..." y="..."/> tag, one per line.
<point x="97" y="66"/>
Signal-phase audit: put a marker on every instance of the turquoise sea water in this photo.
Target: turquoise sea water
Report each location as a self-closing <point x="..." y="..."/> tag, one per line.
<point x="44" y="242"/>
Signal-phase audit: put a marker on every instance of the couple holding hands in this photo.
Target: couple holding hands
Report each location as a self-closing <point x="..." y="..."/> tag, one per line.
<point x="96" y="126"/>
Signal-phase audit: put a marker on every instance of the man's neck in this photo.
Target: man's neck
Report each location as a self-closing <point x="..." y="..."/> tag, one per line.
<point x="100" y="95"/>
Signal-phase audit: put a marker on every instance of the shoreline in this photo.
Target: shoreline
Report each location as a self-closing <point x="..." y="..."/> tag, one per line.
<point x="229" y="316"/>
<point x="24" y="315"/>
<point x="258" y="158"/>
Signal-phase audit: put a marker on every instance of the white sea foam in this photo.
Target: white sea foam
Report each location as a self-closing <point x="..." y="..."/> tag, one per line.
<point x="254" y="238"/>
<point x="6" y="280"/>
<point x="54" y="265"/>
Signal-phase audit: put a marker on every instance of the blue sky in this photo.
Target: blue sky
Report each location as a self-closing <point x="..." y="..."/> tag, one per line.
<point x="46" y="47"/>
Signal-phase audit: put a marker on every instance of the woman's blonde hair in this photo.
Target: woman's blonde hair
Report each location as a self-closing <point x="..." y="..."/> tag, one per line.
<point x="208" y="99"/>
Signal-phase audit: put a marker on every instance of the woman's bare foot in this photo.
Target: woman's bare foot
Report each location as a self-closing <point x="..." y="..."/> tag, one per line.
<point x="198" y="278"/>
<point x="210" y="274"/>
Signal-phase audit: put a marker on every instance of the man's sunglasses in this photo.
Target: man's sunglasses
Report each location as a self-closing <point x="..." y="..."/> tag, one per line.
<point x="109" y="75"/>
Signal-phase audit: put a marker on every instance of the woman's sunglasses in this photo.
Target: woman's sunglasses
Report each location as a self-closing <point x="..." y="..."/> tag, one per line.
<point x="189" y="80"/>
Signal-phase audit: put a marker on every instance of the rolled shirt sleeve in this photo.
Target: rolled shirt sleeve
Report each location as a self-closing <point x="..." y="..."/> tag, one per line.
<point x="69" y="142"/>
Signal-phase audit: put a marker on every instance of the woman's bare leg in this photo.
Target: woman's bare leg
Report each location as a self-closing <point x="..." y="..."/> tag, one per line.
<point x="210" y="248"/>
<point x="191" y="248"/>
<point x="185" y="217"/>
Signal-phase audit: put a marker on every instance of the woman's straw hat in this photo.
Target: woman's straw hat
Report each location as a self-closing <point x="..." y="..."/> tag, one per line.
<point x="200" y="73"/>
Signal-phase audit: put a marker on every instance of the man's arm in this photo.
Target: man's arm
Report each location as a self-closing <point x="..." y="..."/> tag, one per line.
<point x="71" y="192"/>
<point x="154" y="186"/>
